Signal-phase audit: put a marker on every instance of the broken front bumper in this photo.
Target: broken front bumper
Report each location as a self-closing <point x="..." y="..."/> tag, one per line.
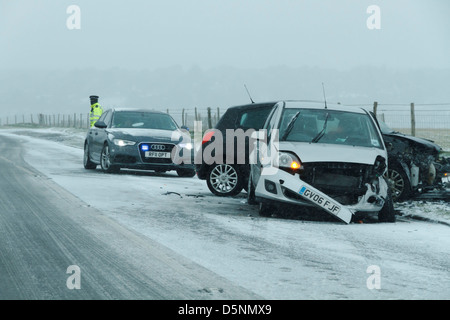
<point x="278" y="185"/>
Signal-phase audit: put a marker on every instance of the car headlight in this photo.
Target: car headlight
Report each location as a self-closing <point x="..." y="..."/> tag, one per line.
<point x="188" y="146"/>
<point x="123" y="143"/>
<point x="286" y="160"/>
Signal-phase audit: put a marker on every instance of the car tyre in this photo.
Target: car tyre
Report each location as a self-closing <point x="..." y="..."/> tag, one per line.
<point x="187" y="173"/>
<point x="266" y="209"/>
<point x="105" y="161"/>
<point x="88" y="164"/>
<point x="387" y="213"/>
<point x="401" y="187"/>
<point x="251" y="199"/>
<point x="224" y="180"/>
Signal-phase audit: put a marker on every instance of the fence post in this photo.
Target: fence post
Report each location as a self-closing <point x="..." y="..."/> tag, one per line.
<point x="182" y="117"/>
<point x="209" y="118"/>
<point x="375" y="107"/>
<point x="413" y="120"/>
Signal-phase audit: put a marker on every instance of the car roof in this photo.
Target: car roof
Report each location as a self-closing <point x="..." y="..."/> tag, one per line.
<point x="136" y="110"/>
<point x="310" y="104"/>
<point x="253" y="105"/>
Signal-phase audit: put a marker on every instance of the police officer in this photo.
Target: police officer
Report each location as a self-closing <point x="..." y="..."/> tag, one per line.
<point x="96" y="110"/>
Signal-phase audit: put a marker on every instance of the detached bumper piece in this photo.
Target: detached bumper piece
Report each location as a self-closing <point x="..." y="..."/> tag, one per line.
<point x="279" y="185"/>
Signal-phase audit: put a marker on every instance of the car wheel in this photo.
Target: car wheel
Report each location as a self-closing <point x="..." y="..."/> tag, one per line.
<point x="105" y="161"/>
<point x="189" y="173"/>
<point x="387" y="213"/>
<point x="266" y="209"/>
<point x="251" y="192"/>
<point x="399" y="182"/>
<point x="88" y="164"/>
<point x="224" y="180"/>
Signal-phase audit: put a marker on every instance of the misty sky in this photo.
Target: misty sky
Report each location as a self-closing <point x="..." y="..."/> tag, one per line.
<point x="150" y="34"/>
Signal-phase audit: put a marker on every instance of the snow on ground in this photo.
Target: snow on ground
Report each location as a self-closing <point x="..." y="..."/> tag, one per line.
<point x="436" y="210"/>
<point x="276" y="258"/>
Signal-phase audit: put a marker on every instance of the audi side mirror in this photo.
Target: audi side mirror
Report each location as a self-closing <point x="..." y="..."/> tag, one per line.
<point x="100" y="125"/>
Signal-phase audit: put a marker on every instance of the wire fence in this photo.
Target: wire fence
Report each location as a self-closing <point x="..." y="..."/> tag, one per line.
<point x="184" y="117"/>
<point x="429" y="121"/>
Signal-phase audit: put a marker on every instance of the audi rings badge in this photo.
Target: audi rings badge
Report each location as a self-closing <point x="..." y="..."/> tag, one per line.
<point x="157" y="147"/>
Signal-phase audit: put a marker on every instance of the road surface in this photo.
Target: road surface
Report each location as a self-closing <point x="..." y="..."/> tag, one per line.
<point x="44" y="230"/>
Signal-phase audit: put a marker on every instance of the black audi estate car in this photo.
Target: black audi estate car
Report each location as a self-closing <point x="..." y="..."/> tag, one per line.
<point x="138" y="139"/>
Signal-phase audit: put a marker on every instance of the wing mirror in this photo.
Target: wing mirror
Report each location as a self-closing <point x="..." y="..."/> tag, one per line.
<point x="100" y="125"/>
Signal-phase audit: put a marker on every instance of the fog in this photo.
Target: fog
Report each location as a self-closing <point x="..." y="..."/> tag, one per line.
<point x="175" y="54"/>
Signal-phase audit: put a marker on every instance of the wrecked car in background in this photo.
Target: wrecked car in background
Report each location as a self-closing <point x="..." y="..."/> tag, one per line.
<point x="326" y="156"/>
<point x="415" y="166"/>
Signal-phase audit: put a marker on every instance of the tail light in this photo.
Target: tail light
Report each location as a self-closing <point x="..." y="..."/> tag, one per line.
<point x="207" y="137"/>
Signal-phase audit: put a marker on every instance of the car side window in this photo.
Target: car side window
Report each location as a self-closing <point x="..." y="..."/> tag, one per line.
<point x="102" y="117"/>
<point x="107" y="119"/>
<point x="253" y="119"/>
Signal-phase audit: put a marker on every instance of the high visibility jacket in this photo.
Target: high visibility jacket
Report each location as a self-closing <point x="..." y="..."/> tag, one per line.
<point x="96" y="112"/>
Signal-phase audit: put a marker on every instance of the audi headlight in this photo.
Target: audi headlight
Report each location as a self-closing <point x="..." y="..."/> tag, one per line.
<point x="188" y="146"/>
<point x="123" y="143"/>
<point x="286" y="160"/>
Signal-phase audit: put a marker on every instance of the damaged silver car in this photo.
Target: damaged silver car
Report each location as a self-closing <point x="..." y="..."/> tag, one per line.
<point x="327" y="156"/>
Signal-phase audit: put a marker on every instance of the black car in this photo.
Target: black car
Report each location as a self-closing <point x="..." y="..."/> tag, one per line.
<point x="225" y="174"/>
<point x="138" y="139"/>
<point x="415" y="165"/>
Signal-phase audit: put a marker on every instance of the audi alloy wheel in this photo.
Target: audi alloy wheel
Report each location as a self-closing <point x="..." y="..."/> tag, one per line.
<point x="105" y="161"/>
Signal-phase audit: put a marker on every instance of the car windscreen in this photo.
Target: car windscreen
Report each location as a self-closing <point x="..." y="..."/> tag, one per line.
<point x="143" y="120"/>
<point x="329" y="126"/>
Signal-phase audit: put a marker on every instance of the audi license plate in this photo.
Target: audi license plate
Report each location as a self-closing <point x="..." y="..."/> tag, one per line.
<point x="157" y="154"/>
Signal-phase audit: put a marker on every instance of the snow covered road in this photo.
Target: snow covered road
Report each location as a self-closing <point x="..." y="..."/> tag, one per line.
<point x="273" y="258"/>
